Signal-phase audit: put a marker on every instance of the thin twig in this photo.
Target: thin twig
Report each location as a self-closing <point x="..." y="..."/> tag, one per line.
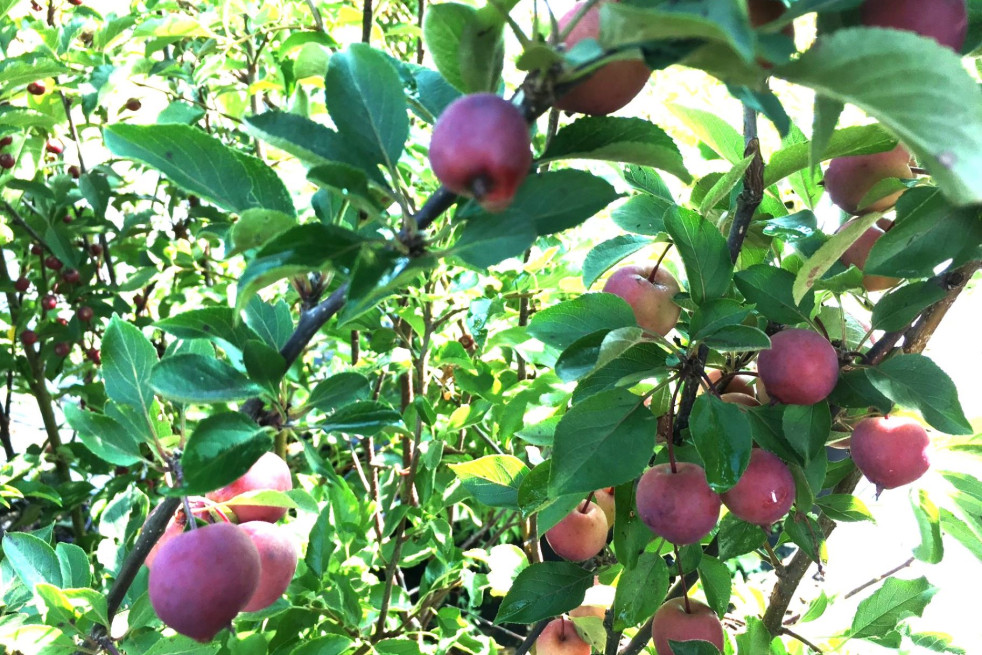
<point x="795" y="635"/>
<point x="870" y="583"/>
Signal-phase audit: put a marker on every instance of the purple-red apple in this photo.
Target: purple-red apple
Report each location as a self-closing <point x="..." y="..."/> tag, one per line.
<point x="672" y="623"/>
<point x="765" y="491"/>
<point x="277" y="562"/>
<point x="945" y="21"/>
<point x="269" y="472"/>
<point x="481" y="148"/>
<point x="680" y="506"/>
<point x="649" y="292"/>
<point x="857" y="254"/>
<point x="849" y="179"/>
<point x="891" y="451"/>
<point x="800" y="368"/>
<point x="581" y="534"/>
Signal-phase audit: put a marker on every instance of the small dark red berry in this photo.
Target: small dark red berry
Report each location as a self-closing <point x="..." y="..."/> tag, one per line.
<point x="94" y="356"/>
<point x="95" y="250"/>
<point x="77" y="3"/>
<point x="74" y="171"/>
<point x="71" y="276"/>
<point x="66" y="219"/>
<point x="35" y="6"/>
<point x="6" y="141"/>
<point x="22" y="284"/>
<point x="194" y="201"/>
<point x="28" y="337"/>
<point x="35" y="88"/>
<point x="85" y="313"/>
<point x="49" y="302"/>
<point x="7" y="160"/>
<point x="133" y="104"/>
<point x="54" y="146"/>
<point x="63" y="322"/>
<point x="62" y="349"/>
<point x="53" y="263"/>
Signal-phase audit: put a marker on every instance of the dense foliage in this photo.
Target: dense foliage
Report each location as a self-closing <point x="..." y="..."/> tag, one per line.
<point x="222" y="236"/>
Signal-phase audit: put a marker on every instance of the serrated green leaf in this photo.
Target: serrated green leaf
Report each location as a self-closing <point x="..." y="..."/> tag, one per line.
<point x="193" y="378"/>
<point x="543" y="590"/>
<point x="493" y="480"/>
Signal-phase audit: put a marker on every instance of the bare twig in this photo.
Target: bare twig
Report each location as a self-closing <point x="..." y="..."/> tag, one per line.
<point x="872" y="582"/>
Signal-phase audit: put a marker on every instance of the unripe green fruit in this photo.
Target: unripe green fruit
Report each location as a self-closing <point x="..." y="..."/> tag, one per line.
<point x="849" y="179"/>
<point x="481" y="148"/>
<point x="269" y="472"/>
<point x="945" y="21"/>
<point x="201" y="579"/>
<point x="800" y="368"/>
<point x="277" y="562"/>
<point x="610" y="87"/>
<point x="672" y="623"/>
<point x="679" y="506"/>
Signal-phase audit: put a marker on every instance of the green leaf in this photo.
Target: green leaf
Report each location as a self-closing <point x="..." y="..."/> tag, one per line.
<point x="967" y="532"/>
<point x="915" y="381"/>
<point x="643" y="214"/>
<point x="127" y="360"/>
<point x="107" y="439"/>
<point x="716" y="583"/>
<point x="704" y="253"/>
<point x="366" y="101"/>
<point x="202" y="165"/>
<point x="493" y="480"/>
<point x="721" y="434"/>
<point x="807" y="428"/>
<point x="220" y="450"/>
<point x="603" y="441"/>
<point x="218" y="325"/>
<point x="561" y="325"/>
<point x="695" y="647"/>
<point x="193" y="378"/>
<point x="543" y="590"/>
<point x="628" y="140"/>
<point x="339" y="390"/>
<point x="32" y="559"/>
<point x="641" y="360"/>
<point x="467" y="49"/>
<point x="928" y="232"/>
<point x="845" y="142"/>
<point x="755" y="640"/>
<point x="738" y="338"/>
<point x="889" y="605"/>
<point x="737" y="537"/>
<point x="712" y="130"/>
<point x="931" y="548"/>
<point x="770" y="288"/>
<point x="26" y="68"/>
<point x="631" y="535"/>
<point x="305" y="248"/>
<point x="793" y="227"/>
<point x="805" y="532"/>
<point x="581" y="357"/>
<point x="329" y="645"/>
<point x="256" y="227"/>
<point x="844" y="507"/>
<point x="828" y="254"/>
<point x="895" y="76"/>
<point x="264" y="364"/>
<point x="364" y="417"/>
<point x="311" y="142"/>
<point x="273" y="323"/>
<point x="379" y="273"/>
<point x="767" y="424"/>
<point x="714" y="315"/>
<point x="640" y="591"/>
<point x="855" y="389"/>
<point x="349" y="183"/>
<point x="75" y="568"/>
<point x="724" y="185"/>
<point x="604" y="255"/>
<point x="897" y="309"/>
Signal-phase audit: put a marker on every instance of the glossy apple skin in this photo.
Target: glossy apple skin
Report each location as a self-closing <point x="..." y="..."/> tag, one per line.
<point x="277" y="562"/>
<point x="654" y="309"/>
<point x="604" y="498"/>
<point x="672" y="623"/>
<point x="269" y="472"/>
<point x="945" y="21"/>
<point x="203" y="578"/>
<point x="857" y="254"/>
<point x="679" y="507"/>
<point x="800" y="367"/>
<point x="736" y="384"/>
<point x="891" y="451"/>
<point x="560" y="638"/>
<point x="481" y="148"/>
<point x="201" y="508"/>
<point x="765" y="491"/>
<point x="581" y="534"/>
<point x="611" y="86"/>
<point x="849" y="179"/>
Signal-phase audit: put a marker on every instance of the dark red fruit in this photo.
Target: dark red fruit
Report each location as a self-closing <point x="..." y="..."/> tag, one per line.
<point x="35" y="6"/>
<point x="85" y="313"/>
<point x="49" y="302"/>
<point x="53" y="263"/>
<point x="94" y="356"/>
<point x="7" y="160"/>
<point x="201" y="579"/>
<point x="28" y="337"/>
<point x="63" y="348"/>
<point x="35" y="248"/>
<point x="66" y="219"/>
<point x="77" y="3"/>
<point x="481" y="148"/>
<point x="800" y="368"/>
<point x="945" y="21"/>
<point x="63" y="322"/>
<point x="54" y="146"/>
<point x="71" y="276"/>
<point x="278" y="562"/>
<point x="133" y="104"/>
<point x="74" y="171"/>
<point x="765" y="491"/>
<point x="6" y="141"/>
<point x="139" y="301"/>
<point x="95" y="250"/>
<point x="891" y="451"/>
<point x="22" y="284"/>
<point x="679" y="506"/>
<point x="35" y="88"/>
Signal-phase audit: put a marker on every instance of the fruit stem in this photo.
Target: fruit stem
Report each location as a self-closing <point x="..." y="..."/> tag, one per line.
<point x="654" y="271"/>
<point x="586" y="503"/>
<point x="685" y="593"/>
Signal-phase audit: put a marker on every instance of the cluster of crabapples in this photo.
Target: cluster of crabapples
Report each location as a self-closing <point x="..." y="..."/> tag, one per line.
<point x="236" y="560"/>
<point x="677" y="504"/>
